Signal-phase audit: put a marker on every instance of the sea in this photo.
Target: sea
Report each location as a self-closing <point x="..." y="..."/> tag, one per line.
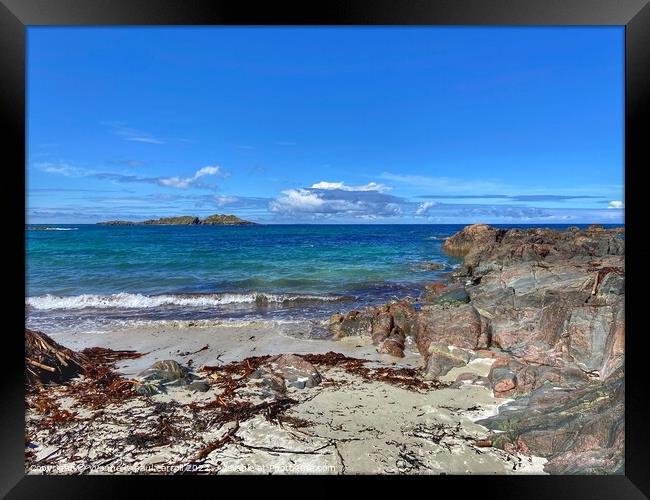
<point x="94" y="277"/>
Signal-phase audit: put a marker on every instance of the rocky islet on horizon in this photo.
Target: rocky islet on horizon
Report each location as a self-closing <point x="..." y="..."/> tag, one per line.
<point x="185" y="220"/>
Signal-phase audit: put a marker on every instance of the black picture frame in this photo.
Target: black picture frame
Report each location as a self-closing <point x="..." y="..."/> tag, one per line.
<point x="16" y="15"/>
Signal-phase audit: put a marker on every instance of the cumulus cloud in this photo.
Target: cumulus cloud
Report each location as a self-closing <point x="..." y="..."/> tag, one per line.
<point x="616" y="204"/>
<point x="326" y="199"/>
<point x="424" y="207"/>
<point x="297" y="200"/>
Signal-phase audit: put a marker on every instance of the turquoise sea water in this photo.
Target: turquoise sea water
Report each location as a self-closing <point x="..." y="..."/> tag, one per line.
<point x="89" y="274"/>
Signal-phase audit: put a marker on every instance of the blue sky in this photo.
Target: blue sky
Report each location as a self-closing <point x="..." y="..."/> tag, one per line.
<point x="326" y="125"/>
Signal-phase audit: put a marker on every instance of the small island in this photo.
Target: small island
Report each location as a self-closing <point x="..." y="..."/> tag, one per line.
<point x="185" y="220"/>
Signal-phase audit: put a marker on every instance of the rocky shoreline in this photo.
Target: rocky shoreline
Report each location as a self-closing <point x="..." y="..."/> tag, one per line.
<point x="516" y="363"/>
<point x="549" y="307"/>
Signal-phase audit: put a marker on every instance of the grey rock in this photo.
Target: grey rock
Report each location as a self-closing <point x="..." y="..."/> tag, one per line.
<point x="198" y="386"/>
<point x="453" y="298"/>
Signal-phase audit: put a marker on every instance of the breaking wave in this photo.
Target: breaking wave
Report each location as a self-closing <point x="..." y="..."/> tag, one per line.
<point x="140" y="301"/>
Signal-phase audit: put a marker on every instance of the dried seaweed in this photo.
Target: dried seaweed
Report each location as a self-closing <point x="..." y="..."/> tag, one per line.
<point x="407" y="378"/>
<point x="101" y="384"/>
<point x="151" y="424"/>
<point x="45" y="404"/>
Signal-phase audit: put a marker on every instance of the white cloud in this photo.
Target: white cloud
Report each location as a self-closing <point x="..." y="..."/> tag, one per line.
<point x="185" y="182"/>
<point x="148" y="140"/>
<point x="176" y="182"/>
<point x="328" y="199"/>
<point x="64" y="169"/>
<point x="297" y="200"/>
<point x="68" y="170"/>
<point x="130" y="134"/>
<point x="327" y="185"/>
<point x="616" y="204"/>
<point x="424" y="207"/>
<point x="225" y="200"/>
<point x="371" y="186"/>
<point x="206" y="171"/>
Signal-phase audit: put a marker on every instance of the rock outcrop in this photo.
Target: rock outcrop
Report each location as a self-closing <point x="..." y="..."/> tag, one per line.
<point x="549" y="306"/>
<point x="185" y="220"/>
<point x="181" y="220"/>
<point x="225" y="220"/>
<point x="388" y="325"/>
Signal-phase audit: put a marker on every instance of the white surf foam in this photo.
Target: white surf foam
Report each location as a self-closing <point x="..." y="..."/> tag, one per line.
<point x="140" y="301"/>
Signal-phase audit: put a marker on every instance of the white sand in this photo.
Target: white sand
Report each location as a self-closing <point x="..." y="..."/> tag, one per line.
<point x="353" y="427"/>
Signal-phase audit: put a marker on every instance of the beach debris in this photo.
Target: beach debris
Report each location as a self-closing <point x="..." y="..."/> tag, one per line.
<point x="165" y="374"/>
<point x="407" y="378"/>
<point x="46" y="361"/>
<point x="101" y="384"/>
<point x="189" y="353"/>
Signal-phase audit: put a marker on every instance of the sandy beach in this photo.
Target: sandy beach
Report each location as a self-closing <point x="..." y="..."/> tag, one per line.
<point x="344" y="425"/>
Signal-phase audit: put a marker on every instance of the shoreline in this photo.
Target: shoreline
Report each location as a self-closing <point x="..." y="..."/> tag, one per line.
<point x="358" y="417"/>
<point x="470" y="382"/>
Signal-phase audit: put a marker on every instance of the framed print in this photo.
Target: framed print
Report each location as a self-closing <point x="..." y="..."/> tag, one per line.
<point x="356" y="240"/>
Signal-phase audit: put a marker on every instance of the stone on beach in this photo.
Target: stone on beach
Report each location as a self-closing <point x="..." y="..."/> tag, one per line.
<point x="287" y="370"/>
<point x="165" y="374"/>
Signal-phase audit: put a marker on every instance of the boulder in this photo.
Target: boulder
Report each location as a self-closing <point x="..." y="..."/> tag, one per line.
<point x="403" y="316"/>
<point x="503" y="380"/>
<point x="453" y="297"/>
<point x="382" y="325"/>
<point x="485" y="248"/>
<point x="353" y="324"/>
<point x="288" y="370"/>
<point x="166" y="371"/>
<point x="432" y="291"/>
<point x="470" y="378"/>
<point x="394" y="344"/>
<point x="459" y="326"/>
<point x="165" y="374"/>
<point x="440" y="359"/>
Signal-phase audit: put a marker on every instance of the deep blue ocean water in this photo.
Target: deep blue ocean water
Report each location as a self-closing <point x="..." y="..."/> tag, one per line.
<point x="91" y="274"/>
